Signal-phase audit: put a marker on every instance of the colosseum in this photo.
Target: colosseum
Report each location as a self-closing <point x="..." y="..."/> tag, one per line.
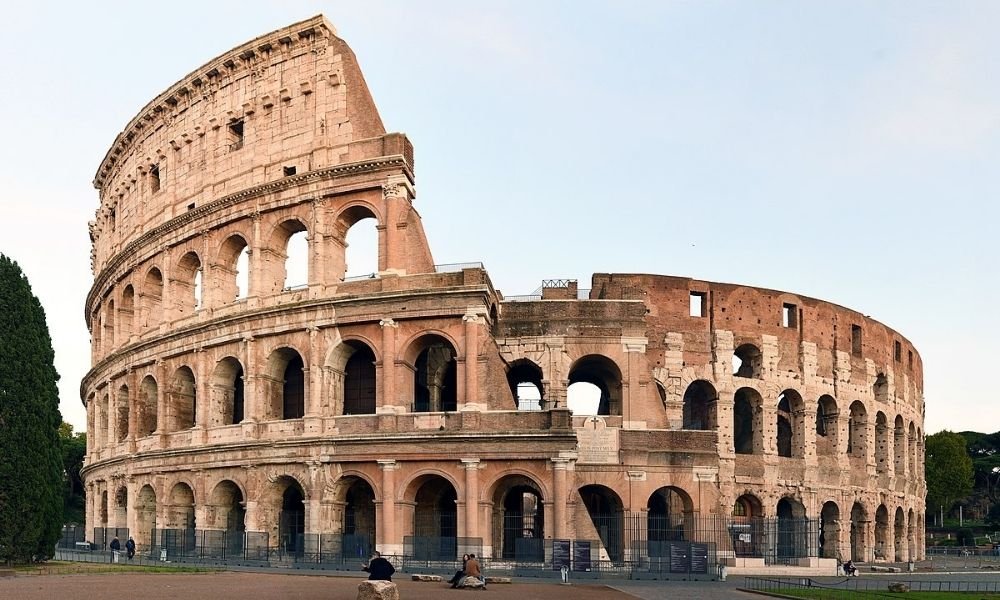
<point x="652" y="422"/>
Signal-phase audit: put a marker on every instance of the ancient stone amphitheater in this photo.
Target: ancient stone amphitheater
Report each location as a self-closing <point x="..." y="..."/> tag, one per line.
<point x="234" y="413"/>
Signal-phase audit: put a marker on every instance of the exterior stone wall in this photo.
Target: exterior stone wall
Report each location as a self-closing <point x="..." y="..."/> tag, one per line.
<point x="389" y="406"/>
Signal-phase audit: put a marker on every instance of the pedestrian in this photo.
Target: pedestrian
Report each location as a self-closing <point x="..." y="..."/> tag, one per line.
<point x="472" y="569"/>
<point x="459" y="574"/>
<point x="130" y="547"/>
<point x="378" y="568"/>
<point x="116" y="547"/>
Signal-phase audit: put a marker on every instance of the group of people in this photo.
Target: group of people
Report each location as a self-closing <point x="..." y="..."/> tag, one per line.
<point x="116" y="546"/>
<point x="470" y="568"/>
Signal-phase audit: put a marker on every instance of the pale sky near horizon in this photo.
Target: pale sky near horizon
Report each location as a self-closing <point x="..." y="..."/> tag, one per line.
<point x="848" y="151"/>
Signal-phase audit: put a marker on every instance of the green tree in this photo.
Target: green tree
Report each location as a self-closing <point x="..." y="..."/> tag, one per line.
<point x="948" y="470"/>
<point x="31" y="467"/>
<point x="74" y="448"/>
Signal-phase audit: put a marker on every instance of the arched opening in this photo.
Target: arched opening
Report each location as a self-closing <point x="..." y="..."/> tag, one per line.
<point x="359" y="519"/>
<point x="666" y="510"/>
<point x="747" y="361"/>
<point x="291" y="517"/>
<point x="435" y="520"/>
<point x="791" y="425"/>
<point x="178" y="537"/>
<point x="899" y="533"/>
<point x="606" y="514"/>
<point x="146" y="406"/>
<point x="661" y="393"/>
<point x="121" y="507"/>
<point x="361" y="246"/>
<point x="104" y="510"/>
<point x="747" y="422"/>
<point x="826" y="426"/>
<point x="186" y="284"/>
<point x="829" y="533"/>
<point x="595" y="371"/>
<point x="435" y="384"/>
<point x="899" y="446"/>
<point x="525" y="380"/>
<point x="228" y="393"/>
<point x="103" y="422"/>
<point x="881" y="389"/>
<point x="881" y="532"/>
<point x="881" y="443"/>
<point x="859" y="523"/>
<point x="181" y="400"/>
<point x="700" y="403"/>
<point x="914" y="453"/>
<point x="126" y="313"/>
<point x="109" y="326"/>
<point x="285" y="385"/>
<point x="145" y="518"/>
<point x="856" y="433"/>
<point x="229" y="508"/>
<point x="359" y="380"/>
<point x="232" y="272"/>
<point x="122" y="404"/>
<point x="793" y="531"/>
<point x="746" y="527"/>
<point x="296" y="256"/>
<point x="518" y="519"/>
<point x="96" y="335"/>
<point x="911" y="535"/>
<point x="152" y="298"/>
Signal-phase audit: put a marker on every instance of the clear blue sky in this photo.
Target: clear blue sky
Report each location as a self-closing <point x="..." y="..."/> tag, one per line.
<point x="843" y="150"/>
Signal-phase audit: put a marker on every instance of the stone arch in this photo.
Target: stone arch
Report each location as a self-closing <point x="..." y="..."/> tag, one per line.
<point x="355" y="496"/>
<point x="700" y="411"/>
<point x="829" y="530"/>
<point x="827" y="428"/>
<point x="293" y="268"/>
<point x="126" y="313"/>
<point x="857" y="439"/>
<point x="226" y="512"/>
<point x="232" y="283"/>
<point x="881" y="443"/>
<point x="518" y="518"/>
<point x="793" y="539"/>
<point x="667" y="516"/>
<point x="899" y="535"/>
<point x="434" y="521"/>
<point x="607" y="517"/>
<point x="524" y="378"/>
<point x="97" y="334"/>
<point x="357" y="390"/>
<point x="882" y="533"/>
<point x="146" y="406"/>
<point x="748" y="425"/>
<point x="880" y="389"/>
<point x="228" y="405"/>
<point x="791" y="425"/>
<point x="859" y="528"/>
<point x="359" y="223"/>
<point x="748" y="361"/>
<point x="152" y="297"/>
<point x="914" y="460"/>
<point x="602" y="373"/>
<point x="282" y="507"/>
<point x="121" y="413"/>
<point x="186" y="283"/>
<point x="899" y="446"/>
<point x="433" y="357"/>
<point x="182" y="400"/>
<point x="746" y="529"/>
<point x="103" y="420"/>
<point x="284" y="385"/>
<point x="109" y="325"/>
<point x="178" y="534"/>
<point x="145" y="517"/>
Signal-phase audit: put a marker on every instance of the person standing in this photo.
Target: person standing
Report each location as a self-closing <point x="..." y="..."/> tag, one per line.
<point x="116" y="547"/>
<point x="378" y="568"/>
<point x="130" y="547"/>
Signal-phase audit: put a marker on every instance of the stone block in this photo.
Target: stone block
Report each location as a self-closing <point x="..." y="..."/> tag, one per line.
<point x="377" y="590"/>
<point x="422" y="577"/>
<point x="498" y="580"/>
<point x="471" y="583"/>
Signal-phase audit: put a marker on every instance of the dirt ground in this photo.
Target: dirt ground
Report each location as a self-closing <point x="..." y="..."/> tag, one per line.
<point x="243" y="586"/>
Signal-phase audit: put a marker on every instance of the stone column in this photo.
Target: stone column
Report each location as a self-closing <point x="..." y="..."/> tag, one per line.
<point x="255" y="282"/>
<point x="251" y="392"/>
<point x="396" y="194"/>
<point x="560" y="466"/>
<point x="471" y="466"/>
<point x="317" y="251"/>
<point x="635" y="349"/>
<point x="386" y="518"/>
<point x="472" y="322"/>
<point x="161" y="400"/>
<point x="203" y="396"/>
<point x="314" y="387"/>
<point x="388" y="398"/>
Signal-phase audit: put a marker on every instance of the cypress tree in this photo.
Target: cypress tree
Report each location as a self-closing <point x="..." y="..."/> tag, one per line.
<point x="30" y="454"/>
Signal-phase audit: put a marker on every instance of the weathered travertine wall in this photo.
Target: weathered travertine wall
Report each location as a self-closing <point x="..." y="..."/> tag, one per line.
<point x="223" y="399"/>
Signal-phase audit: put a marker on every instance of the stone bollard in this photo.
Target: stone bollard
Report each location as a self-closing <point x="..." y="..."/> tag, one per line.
<point x="377" y="590"/>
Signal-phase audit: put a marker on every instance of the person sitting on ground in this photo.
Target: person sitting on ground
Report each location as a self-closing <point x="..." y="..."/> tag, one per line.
<point x="378" y="568"/>
<point x="459" y="574"/>
<point x="850" y="569"/>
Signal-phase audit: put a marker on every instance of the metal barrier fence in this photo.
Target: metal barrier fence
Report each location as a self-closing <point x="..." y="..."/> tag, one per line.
<point x="71" y="536"/>
<point x="866" y="587"/>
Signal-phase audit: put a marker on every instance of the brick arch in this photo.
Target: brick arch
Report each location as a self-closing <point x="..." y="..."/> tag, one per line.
<point x="487" y="492"/>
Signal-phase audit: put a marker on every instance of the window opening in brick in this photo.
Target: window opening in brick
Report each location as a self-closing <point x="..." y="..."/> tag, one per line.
<point x="154" y="178"/>
<point x="697" y="304"/>
<point x="747" y="424"/>
<point x="113" y="219"/>
<point x="435" y="517"/>
<point x="881" y="388"/>
<point x="856" y="428"/>
<point x="898" y="351"/>
<point x="789" y="316"/>
<point x="243" y="273"/>
<point x="595" y="386"/>
<point x="747" y="361"/>
<point x="359" y="515"/>
<point x="146" y="406"/>
<point x="525" y="381"/>
<point x="191" y="206"/>
<point x="360" y="245"/>
<point x="607" y="515"/>
<point x="288" y="171"/>
<point x="359" y="381"/>
<point x="699" y="411"/>
<point x="293" y="389"/>
<point x="182" y="400"/>
<point x="899" y="445"/>
<point x="826" y="426"/>
<point x="909" y="359"/>
<point x="881" y="443"/>
<point x="665" y="512"/>
<point x="297" y="261"/>
<point x="435" y="381"/>
<point x="790" y="424"/>
<point x="856" y="340"/>
<point x="227" y="393"/>
<point x="236" y="135"/>
<point x="292" y="518"/>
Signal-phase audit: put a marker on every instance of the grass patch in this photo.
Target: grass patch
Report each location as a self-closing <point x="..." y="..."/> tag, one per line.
<point x="829" y="594"/>
<point x="59" y="567"/>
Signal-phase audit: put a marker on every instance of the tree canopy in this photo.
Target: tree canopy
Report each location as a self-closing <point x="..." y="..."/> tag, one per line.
<point x="948" y="470"/>
<point x="31" y="466"/>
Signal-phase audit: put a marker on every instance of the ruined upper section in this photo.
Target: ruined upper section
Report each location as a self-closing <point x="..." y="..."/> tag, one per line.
<point x="289" y="102"/>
